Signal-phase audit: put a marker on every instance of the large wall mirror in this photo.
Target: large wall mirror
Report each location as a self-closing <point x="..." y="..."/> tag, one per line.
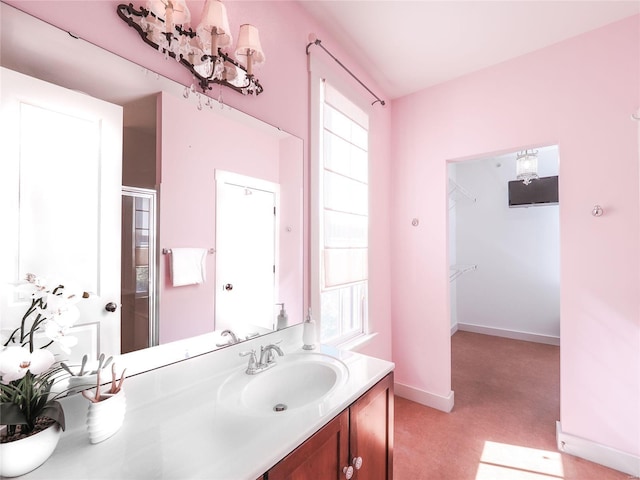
<point x="198" y="182"/>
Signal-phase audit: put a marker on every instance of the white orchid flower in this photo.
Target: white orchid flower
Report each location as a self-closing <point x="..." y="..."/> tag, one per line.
<point x="61" y="314"/>
<point x="35" y="288"/>
<point x="58" y="332"/>
<point x="61" y="309"/>
<point x="31" y="289"/>
<point x="16" y="361"/>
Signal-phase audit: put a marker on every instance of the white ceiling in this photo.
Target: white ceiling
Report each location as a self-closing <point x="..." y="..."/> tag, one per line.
<point x="410" y="45"/>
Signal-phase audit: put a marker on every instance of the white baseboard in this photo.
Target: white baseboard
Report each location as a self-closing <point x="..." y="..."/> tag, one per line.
<point x="595" y="452"/>
<point x="432" y="400"/>
<point x="454" y="328"/>
<point x="499" y="332"/>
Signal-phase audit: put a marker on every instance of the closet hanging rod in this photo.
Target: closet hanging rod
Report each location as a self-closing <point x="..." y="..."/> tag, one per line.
<point x="316" y="41"/>
<point x="456" y="187"/>
<point x="457" y="270"/>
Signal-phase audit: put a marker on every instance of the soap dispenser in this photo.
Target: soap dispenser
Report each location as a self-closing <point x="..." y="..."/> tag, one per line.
<point x="282" y="318"/>
<point x="309" y="333"/>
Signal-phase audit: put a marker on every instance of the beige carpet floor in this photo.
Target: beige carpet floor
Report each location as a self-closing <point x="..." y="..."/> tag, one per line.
<point x="503" y="422"/>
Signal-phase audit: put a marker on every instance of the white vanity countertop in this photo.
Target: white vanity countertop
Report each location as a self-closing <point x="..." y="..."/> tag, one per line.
<point x="175" y="429"/>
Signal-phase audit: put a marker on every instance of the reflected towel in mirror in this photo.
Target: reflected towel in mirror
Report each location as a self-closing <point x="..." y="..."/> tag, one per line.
<point x="187" y="266"/>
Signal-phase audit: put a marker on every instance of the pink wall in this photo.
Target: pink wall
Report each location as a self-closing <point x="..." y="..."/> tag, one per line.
<point x="578" y="94"/>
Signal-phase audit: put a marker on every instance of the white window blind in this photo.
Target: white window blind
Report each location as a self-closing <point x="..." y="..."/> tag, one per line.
<point x="345" y="191"/>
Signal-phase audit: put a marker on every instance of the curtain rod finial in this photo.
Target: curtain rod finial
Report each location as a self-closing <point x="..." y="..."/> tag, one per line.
<point x="313" y="39"/>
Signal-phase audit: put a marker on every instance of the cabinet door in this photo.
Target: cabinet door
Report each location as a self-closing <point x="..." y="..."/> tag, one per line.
<point x="371" y="437"/>
<point x="323" y="456"/>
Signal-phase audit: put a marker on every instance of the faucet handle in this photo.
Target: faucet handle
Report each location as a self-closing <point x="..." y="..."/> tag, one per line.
<point x="253" y="363"/>
<point x="251" y="352"/>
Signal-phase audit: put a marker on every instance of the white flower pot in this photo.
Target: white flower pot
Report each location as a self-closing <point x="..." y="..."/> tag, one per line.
<point x="77" y="384"/>
<point x="22" y="456"/>
<point x="106" y="416"/>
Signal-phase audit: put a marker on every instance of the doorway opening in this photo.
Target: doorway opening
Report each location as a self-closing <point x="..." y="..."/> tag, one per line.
<point x="505" y="298"/>
<point x="504" y="260"/>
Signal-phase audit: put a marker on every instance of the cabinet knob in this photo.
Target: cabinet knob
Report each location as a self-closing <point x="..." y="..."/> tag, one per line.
<point x="357" y="462"/>
<point x="348" y="472"/>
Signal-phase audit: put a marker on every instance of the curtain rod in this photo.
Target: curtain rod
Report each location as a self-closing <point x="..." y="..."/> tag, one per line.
<point x="316" y="41"/>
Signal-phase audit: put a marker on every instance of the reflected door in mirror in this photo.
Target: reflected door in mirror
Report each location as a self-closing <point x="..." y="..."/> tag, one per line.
<point x="246" y="241"/>
<point x="60" y="194"/>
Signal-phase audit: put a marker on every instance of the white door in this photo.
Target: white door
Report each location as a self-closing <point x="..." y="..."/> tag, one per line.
<point x="60" y="181"/>
<point x="245" y="253"/>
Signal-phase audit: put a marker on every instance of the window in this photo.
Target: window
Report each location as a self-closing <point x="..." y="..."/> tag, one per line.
<point x="343" y="223"/>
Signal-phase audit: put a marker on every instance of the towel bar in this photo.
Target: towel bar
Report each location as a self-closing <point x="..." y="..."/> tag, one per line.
<point x="166" y="251"/>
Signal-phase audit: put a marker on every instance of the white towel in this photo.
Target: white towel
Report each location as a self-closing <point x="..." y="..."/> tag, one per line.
<point x="187" y="266"/>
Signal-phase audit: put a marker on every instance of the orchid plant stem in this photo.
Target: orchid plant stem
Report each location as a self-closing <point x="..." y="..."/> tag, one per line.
<point x="34" y="303"/>
<point x="26" y="397"/>
<point x="21" y="328"/>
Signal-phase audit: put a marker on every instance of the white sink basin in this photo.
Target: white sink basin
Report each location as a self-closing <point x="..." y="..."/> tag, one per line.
<point x="297" y="380"/>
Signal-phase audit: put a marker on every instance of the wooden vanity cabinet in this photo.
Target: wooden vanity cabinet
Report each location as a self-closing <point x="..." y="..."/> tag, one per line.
<point x="364" y="430"/>
<point x="321" y="457"/>
<point x="371" y="432"/>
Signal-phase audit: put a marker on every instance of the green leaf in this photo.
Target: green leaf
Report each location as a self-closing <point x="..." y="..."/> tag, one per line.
<point x="54" y="411"/>
<point x="10" y="414"/>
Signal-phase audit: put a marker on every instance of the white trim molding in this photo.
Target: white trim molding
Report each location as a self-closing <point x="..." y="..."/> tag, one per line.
<point x="355" y="343"/>
<point x="595" y="452"/>
<point x="439" y="402"/>
<point x="499" y="332"/>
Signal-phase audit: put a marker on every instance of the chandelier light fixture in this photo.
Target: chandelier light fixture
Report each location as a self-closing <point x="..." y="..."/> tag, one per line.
<point x="527" y="166"/>
<point x="166" y="26"/>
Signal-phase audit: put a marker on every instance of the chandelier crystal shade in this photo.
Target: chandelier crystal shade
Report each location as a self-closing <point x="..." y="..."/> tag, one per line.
<point x="527" y="166"/>
<point x="166" y="26"/>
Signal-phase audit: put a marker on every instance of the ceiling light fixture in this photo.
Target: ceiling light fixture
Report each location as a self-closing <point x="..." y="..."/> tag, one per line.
<point x="165" y="25"/>
<point x="527" y="166"/>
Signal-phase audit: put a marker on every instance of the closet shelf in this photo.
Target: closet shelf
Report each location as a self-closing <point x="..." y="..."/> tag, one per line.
<point x="457" y="270"/>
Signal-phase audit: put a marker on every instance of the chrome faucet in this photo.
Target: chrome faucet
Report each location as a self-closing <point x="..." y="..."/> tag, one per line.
<point x="267" y="358"/>
<point x="266" y="354"/>
<point x="233" y="338"/>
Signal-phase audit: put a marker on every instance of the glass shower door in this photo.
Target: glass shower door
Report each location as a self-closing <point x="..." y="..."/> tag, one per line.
<point x="138" y="329"/>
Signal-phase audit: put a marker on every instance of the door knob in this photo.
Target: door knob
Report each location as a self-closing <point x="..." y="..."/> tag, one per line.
<point x="228" y="287"/>
<point x="110" y="307"/>
<point x="348" y="472"/>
